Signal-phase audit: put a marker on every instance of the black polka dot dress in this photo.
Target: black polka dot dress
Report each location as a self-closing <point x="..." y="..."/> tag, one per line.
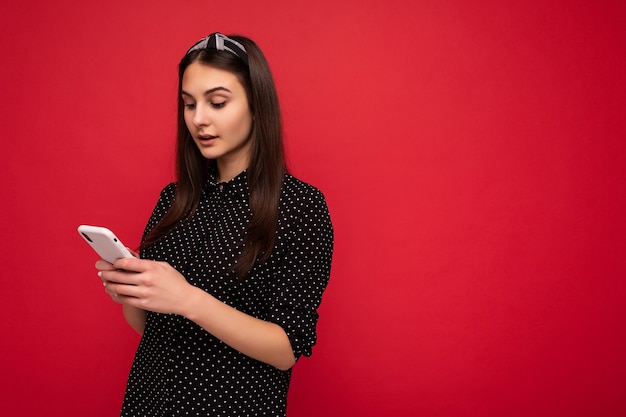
<point x="182" y="370"/>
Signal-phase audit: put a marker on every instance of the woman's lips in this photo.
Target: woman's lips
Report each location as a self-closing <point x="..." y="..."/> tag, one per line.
<point x="207" y="139"/>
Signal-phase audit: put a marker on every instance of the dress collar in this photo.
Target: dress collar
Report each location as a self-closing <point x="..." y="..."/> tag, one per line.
<point x="237" y="186"/>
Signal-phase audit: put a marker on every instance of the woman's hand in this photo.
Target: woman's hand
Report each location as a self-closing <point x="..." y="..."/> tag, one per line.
<point x="147" y="285"/>
<point x="101" y="266"/>
<point x="141" y="285"/>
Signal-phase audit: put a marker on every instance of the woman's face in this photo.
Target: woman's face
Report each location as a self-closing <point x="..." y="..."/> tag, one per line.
<point x="218" y="117"/>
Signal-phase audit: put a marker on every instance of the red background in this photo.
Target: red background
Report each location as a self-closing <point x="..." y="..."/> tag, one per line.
<point x="472" y="154"/>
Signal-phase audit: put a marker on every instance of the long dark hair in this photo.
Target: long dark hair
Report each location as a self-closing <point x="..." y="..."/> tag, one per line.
<point x="267" y="160"/>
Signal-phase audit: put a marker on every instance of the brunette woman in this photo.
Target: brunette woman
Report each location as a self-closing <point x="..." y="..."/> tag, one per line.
<point x="235" y="257"/>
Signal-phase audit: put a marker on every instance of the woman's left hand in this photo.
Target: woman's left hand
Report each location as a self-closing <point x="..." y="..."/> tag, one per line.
<point x="149" y="285"/>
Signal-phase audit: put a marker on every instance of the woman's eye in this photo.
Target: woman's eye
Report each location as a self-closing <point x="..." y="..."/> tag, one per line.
<point x="218" y="105"/>
<point x="190" y="106"/>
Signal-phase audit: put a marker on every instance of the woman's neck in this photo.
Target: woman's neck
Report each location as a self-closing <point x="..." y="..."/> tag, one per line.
<point x="227" y="172"/>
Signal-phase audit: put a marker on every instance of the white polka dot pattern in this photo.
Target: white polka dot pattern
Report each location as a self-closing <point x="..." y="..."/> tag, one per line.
<point x="182" y="370"/>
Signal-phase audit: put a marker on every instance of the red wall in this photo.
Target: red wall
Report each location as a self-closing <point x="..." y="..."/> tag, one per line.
<point x="472" y="154"/>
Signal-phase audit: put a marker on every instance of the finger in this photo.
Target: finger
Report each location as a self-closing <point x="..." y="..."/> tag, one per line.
<point x="105" y="281"/>
<point x="116" y="297"/>
<point x="111" y="292"/>
<point x="103" y="265"/>
<point x="132" y="252"/>
<point x="121" y="292"/>
<point x="118" y="277"/>
<point x="132" y="264"/>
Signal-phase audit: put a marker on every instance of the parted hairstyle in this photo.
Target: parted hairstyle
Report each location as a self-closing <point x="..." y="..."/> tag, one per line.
<point x="267" y="160"/>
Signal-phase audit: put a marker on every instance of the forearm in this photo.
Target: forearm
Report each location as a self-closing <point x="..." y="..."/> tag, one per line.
<point x="158" y="287"/>
<point x="135" y="317"/>
<point x="259" y="339"/>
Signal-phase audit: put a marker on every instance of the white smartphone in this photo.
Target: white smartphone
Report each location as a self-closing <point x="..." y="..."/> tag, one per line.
<point x="104" y="242"/>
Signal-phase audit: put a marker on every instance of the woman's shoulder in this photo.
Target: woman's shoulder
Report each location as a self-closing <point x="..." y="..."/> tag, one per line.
<point x="169" y="190"/>
<point x="303" y="207"/>
<point x="298" y="189"/>
<point x="166" y="197"/>
<point x="297" y="195"/>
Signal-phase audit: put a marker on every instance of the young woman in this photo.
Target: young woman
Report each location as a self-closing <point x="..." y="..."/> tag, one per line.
<point x="235" y="256"/>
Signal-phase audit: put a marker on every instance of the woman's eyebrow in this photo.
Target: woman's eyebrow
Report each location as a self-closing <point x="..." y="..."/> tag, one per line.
<point x="209" y="91"/>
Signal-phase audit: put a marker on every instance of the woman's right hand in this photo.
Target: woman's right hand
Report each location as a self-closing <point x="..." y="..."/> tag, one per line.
<point x="102" y="265"/>
<point x="135" y="317"/>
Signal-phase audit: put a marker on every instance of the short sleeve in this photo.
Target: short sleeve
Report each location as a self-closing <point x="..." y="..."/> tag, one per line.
<point x="303" y="271"/>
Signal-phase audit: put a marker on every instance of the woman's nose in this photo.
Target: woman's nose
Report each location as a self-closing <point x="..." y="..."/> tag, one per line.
<point x="201" y="116"/>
